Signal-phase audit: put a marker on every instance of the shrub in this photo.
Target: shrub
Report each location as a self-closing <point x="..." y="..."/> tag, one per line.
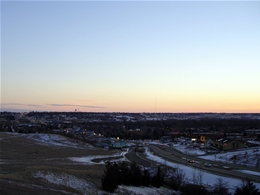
<point x="124" y="176"/>
<point x="247" y="188"/>
<point x="115" y="175"/>
<point x="136" y="174"/>
<point x="221" y="187"/>
<point x="110" y="178"/>
<point x="178" y="179"/>
<point x="193" y="189"/>
<point x="197" y="177"/>
<point x="158" y="179"/>
<point x="146" y="178"/>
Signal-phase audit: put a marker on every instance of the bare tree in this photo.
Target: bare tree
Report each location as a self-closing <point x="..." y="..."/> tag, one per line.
<point x="197" y="177"/>
<point x="221" y="187"/>
<point x="200" y="177"/>
<point x="178" y="179"/>
<point x="194" y="177"/>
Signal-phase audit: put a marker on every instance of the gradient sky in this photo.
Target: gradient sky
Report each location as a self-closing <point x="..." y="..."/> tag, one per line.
<point x="130" y="56"/>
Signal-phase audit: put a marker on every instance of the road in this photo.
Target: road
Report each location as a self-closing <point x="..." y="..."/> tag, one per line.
<point x="220" y="168"/>
<point x="132" y="156"/>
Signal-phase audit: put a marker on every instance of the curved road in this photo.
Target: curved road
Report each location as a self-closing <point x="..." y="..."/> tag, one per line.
<point x="221" y="169"/>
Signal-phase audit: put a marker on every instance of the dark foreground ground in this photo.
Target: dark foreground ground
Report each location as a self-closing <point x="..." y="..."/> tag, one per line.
<point x="21" y="159"/>
<point x="31" y="166"/>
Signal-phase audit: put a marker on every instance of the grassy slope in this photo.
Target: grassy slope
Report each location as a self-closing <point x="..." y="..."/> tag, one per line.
<point x="21" y="158"/>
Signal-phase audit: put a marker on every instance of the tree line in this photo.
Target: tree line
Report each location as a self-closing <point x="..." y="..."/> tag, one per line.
<point x="134" y="175"/>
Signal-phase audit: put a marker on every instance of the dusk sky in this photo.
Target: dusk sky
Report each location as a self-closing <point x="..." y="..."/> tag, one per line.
<point x="134" y="56"/>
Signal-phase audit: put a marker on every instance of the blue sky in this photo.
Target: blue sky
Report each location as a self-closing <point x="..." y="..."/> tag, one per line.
<point x="130" y="56"/>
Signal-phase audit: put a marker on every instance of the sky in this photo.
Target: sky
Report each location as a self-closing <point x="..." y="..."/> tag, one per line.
<point x="131" y="56"/>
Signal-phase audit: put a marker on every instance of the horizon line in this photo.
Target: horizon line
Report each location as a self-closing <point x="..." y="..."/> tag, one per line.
<point x="201" y="112"/>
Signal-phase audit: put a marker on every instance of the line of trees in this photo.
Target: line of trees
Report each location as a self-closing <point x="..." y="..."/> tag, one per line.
<point x="117" y="174"/>
<point x="132" y="174"/>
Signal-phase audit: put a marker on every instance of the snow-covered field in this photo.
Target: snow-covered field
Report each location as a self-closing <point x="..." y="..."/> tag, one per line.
<point x="188" y="149"/>
<point x="248" y="157"/>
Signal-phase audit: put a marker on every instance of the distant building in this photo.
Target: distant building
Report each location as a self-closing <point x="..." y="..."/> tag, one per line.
<point x="117" y="144"/>
<point x="225" y="144"/>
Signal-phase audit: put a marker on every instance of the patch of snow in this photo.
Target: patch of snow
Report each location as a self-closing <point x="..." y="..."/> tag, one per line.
<point x="248" y="157"/>
<point x="66" y="180"/>
<point x="88" y="160"/>
<point x="253" y="142"/>
<point x="250" y="172"/>
<point x="188" y="149"/>
<point x="145" y="190"/>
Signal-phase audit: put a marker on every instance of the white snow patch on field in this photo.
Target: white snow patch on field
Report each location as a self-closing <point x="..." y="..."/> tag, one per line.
<point x="250" y="172"/>
<point x="188" y="149"/>
<point x="145" y="190"/>
<point x="248" y="157"/>
<point x="66" y="180"/>
<point x="88" y="159"/>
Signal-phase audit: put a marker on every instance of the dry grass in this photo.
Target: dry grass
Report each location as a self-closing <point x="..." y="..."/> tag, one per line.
<point x="21" y="158"/>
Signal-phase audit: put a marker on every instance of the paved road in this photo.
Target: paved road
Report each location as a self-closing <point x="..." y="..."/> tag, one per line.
<point x="175" y="156"/>
<point x="132" y="156"/>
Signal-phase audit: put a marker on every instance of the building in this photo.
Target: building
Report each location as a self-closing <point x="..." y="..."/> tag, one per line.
<point x="226" y="144"/>
<point x="117" y="144"/>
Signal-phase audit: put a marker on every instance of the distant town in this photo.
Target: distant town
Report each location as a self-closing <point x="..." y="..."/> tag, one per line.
<point x="224" y="131"/>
